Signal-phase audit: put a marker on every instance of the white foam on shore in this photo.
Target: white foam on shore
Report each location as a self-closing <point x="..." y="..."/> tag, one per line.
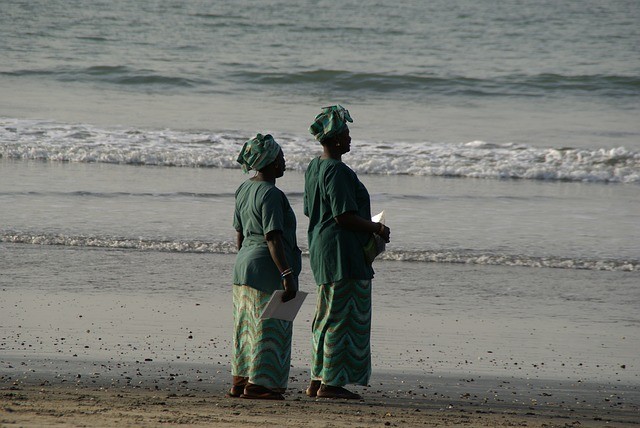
<point x="228" y="247"/>
<point x="49" y="141"/>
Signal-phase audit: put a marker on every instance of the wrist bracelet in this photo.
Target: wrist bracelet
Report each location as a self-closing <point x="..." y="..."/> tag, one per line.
<point x="286" y="272"/>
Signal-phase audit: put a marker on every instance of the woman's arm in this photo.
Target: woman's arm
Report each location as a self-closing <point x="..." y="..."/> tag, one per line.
<point x="239" y="239"/>
<point x="276" y="249"/>
<point x="352" y="221"/>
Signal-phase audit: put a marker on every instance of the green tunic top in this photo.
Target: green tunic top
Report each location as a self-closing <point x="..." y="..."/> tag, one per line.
<point x="261" y="208"/>
<point x="331" y="188"/>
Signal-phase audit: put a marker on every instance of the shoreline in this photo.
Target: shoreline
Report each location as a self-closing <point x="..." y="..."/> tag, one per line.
<point x="135" y="305"/>
<point x="67" y="392"/>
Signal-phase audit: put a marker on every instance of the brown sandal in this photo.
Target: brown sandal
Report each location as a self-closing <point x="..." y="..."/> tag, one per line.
<point x="239" y="382"/>
<point x="235" y="391"/>
<point x="313" y="388"/>
<point x="257" y="392"/>
<point x="327" y="391"/>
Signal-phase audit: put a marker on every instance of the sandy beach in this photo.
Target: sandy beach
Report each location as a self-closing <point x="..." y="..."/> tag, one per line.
<point x="71" y="393"/>
<point x="153" y="354"/>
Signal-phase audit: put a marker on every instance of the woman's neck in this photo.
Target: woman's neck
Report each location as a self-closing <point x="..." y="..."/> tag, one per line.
<point x="327" y="153"/>
<point x="263" y="177"/>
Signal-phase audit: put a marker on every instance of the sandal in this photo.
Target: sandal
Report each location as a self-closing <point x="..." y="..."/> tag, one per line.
<point x="327" y="391"/>
<point x="235" y="391"/>
<point x="313" y="388"/>
<point x="239" y="382"/>
<point x="257" y="392"/>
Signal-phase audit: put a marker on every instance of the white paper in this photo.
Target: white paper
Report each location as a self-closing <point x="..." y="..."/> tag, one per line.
<point x="378" y="218"/>
<point x="382" y="246"/>
<point x="283" y="311"/>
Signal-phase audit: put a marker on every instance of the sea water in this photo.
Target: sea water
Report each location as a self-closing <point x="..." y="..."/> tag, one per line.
<point x="554" y="75"/>
<point x="501" y="139"/>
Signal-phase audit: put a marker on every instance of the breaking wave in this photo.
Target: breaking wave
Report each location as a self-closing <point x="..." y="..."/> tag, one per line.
<point x="229" y="247"/>
<point x="48" y="141"/>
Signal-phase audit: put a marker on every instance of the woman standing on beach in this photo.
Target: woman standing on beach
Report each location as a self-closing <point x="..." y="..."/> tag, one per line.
<point x="339" y="211"/>
<point x="268" y="259"/>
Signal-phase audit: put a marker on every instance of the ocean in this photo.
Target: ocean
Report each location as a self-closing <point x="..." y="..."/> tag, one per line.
<point x="500" y="138"/>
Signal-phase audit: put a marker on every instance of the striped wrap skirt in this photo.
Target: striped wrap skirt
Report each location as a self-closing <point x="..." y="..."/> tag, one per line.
<point x="261" y="348"/>
<point x="341" y="333"/>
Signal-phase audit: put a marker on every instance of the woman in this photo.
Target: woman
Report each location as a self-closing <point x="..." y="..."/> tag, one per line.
<point x="340" y="226"/>
<point x="268" y="259"/>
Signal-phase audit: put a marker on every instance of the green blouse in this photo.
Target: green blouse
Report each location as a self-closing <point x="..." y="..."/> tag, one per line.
<point x="331" y="188"/>
<point x="261" y="208"/>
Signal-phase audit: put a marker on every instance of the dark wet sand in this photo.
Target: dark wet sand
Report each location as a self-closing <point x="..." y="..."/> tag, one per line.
<point x="145" y="393"/>
<point x="143" y="339"/>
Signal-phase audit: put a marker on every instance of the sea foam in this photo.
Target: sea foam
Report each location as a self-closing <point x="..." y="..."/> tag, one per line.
<point x="228" y="247"/>
<point x="48" y="141"/>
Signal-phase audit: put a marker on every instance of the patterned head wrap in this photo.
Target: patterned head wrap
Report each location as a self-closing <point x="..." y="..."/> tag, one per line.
<point x="331" y="122"/>
<point x="258" y="152"/>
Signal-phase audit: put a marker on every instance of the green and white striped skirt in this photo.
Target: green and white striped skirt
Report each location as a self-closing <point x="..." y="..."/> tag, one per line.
<point x="341" y="333"/>
<point x="261" y="348"/>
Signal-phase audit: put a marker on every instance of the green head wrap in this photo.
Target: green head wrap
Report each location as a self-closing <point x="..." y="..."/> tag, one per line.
<point x="331" y="122"/>
<point x="258" y="152"/>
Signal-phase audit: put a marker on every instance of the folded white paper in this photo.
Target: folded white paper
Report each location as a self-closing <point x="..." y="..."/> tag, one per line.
<point x="381" y="246"/>
<point x="283" y="311"/>
<point x="378" y="218"/>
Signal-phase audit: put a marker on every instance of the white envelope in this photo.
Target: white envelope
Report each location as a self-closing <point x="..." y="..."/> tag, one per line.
<point x="283" y="311"/>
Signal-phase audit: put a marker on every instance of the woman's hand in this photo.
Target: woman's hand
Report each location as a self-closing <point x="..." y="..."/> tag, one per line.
<point x="352" y="221"/>
<point x="384" y="232"/>
<point x="290" y="284"/>
<point x="276" y="249"/>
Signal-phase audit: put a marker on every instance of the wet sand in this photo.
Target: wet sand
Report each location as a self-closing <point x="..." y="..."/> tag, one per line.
<point x="143" y="339"/>
<point x="146" y="393"/>
<point x="428" y="319"/>
<point x="103" y="360"/>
